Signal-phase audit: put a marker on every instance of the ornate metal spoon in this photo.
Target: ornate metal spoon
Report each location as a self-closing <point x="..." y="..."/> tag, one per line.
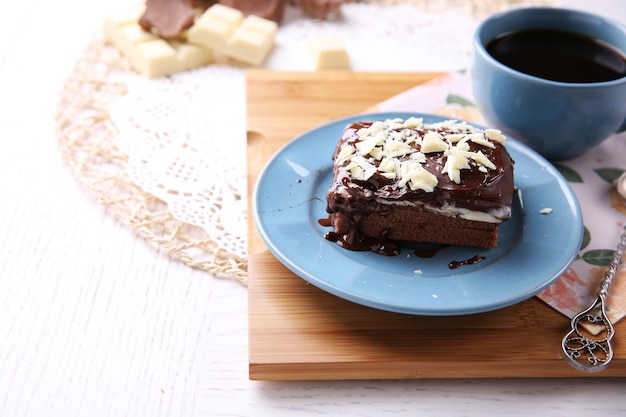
<point x="583" y="350"/>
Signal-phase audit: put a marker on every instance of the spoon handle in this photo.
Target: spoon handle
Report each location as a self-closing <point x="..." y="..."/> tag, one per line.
<point x="582" y="349"/>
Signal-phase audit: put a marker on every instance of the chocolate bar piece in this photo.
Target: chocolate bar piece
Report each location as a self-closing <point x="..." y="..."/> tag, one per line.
<point x="328" y="52"/>
<point x="270" y="10"/>
<point x="148" y="53"/>
<point x="320" y="9"/>
<point x="226" y="31"/>
<point x="170" y="18"/>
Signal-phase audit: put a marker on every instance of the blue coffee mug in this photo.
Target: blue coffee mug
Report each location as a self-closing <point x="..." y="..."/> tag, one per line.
<point x="560" y="120"/>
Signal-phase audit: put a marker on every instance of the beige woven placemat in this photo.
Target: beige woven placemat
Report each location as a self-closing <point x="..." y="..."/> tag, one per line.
<point x="85" y="134"/>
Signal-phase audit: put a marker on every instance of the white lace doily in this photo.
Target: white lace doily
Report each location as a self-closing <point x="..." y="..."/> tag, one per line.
<point x="185" y="141"/>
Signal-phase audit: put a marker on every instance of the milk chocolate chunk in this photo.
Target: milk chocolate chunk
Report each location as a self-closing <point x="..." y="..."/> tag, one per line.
<point x="202" y="5"/>
<point x="320" y="9"/>
<point x="270" y="10"/>
<point x="168" y="18"/>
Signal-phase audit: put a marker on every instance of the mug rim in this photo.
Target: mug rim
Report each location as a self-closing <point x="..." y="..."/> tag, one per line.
<point x="480" y="46"/>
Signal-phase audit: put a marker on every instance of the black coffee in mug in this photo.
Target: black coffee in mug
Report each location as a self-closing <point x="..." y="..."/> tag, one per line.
<point x="558" y="56"/>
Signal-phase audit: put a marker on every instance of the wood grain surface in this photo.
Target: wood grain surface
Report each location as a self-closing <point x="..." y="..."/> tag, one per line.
<point x="299" y="332"/>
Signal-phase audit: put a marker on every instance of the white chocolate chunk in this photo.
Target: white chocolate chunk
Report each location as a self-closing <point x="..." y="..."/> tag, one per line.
<point x="394" y="148"/>
<point x="396" y="123"/>
<point x="496" y="135"/>
<point x="356" y="171"/>
<point x="127" y="37"/>
<point x="414" y="175"/>
<point x="380" y="136"/>
<point x="412" y="138"/>
<point x="367" y="168"/>
<point x="328" y="52"/>
<point x="253" y="40"/>
<point x="377" y="126"/>
<point x="456" y="161"/>
<point x="419" y="157"/>
<point x="462" y="145"/>
<point x="413" y="122"/>
<point x="480" y="158"/>
<point x="214" y="27"/>
<point x="454" y="137"/>
<point x="366" y="146"/>
<point x="387" y="165"/>
<point x="115" y="21"/>
<point x="344" y="154"/>
<point x="191" y="56"/>
<point x="433" y="142"/>
<point x="480" y="139"/>
<point x="377" y="153"/>
<point x="423" y="180"/>
<point x="153" y="58"/>
<point x="396" y="135"/>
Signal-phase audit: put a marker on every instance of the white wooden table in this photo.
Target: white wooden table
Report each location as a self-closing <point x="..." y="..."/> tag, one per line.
<point x="96" y="322"/>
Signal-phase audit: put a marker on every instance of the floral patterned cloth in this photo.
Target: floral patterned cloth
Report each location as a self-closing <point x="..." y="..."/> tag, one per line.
<point x="590" y="176"/>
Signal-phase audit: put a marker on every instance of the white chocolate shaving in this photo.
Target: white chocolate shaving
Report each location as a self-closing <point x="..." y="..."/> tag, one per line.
<point x="456" y="161"/>
<point x="368" y="168"/>
<point x="387" y="165"/>
<point x="413" y="122"/>
<point x="480" y="158"/>
<point x="496" y="135"/>
<point x="454" y="137"/>
<point x="344" y="154"/>
<point x="419" y="157"/>
<point x="390" y="148"/>
<point x="394" y="148"/>
<point x="480" y="139"/>
<point x="416" y="177"/>
<point x="377" y="153"/>
<point x="433" y="142"/>
<point x="366" y="146"/>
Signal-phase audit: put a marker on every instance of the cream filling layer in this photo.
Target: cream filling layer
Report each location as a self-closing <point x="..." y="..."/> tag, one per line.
<point x="492" y="216"/>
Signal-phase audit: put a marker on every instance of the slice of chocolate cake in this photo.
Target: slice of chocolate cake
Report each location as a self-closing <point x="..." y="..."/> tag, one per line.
<point x="406" y="180"/>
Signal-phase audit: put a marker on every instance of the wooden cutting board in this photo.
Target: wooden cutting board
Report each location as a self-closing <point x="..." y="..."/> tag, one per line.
<point x="299" y="332"/>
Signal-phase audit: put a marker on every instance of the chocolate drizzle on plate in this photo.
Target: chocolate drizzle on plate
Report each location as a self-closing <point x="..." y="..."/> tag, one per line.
<point x="471" y="261"/>
<point x="358" y="242"/>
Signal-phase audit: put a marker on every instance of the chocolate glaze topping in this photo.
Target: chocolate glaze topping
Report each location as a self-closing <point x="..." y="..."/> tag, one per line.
<point x="479" y="190"/>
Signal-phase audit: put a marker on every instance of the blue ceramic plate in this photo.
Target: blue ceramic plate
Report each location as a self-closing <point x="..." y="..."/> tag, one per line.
<point x="534" y="249"/>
